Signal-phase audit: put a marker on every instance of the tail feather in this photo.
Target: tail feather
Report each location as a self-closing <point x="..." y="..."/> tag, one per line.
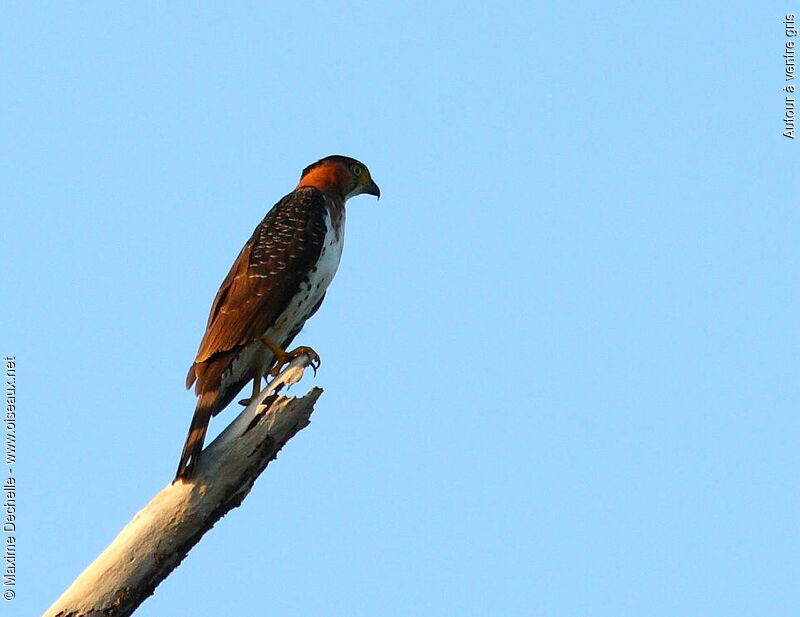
<point x="196" y="436"/>
<point x="214" y="397"/>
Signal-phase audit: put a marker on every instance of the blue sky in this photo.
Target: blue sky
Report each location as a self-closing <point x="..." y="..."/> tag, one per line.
<point x="560" y="354"/>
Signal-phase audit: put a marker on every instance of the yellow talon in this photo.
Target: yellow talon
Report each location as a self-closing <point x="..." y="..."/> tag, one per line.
<point x="283" y="358"/>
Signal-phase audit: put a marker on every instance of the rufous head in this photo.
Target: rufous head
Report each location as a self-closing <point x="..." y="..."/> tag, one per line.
<point x="340" y="176"/>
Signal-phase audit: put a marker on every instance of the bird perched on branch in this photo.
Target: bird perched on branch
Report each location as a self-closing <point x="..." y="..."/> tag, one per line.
<point x="276" y="283"/>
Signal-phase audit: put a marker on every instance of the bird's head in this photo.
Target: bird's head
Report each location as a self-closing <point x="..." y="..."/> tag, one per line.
<point x="340" y="176"/>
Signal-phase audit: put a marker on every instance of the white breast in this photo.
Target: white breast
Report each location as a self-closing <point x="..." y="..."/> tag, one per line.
<point x="330" y="256"/>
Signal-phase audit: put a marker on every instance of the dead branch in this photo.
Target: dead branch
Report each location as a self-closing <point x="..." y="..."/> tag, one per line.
<point x="152" y="545"/>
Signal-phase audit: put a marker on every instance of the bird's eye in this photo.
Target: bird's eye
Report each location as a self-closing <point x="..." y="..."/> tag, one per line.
<point x="356" y="170"/>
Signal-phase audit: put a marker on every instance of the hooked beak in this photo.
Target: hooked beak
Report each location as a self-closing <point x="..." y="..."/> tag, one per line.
<point x="372" y="189"/>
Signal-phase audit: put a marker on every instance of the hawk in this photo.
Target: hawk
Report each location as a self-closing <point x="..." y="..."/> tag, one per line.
<point x="276" y="283"/>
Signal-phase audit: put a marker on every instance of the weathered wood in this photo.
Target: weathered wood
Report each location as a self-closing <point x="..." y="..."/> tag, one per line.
<point x="162" y="534"/>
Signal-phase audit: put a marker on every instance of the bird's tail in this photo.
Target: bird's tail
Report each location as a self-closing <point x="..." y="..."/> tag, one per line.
<point x="197" y="435"/>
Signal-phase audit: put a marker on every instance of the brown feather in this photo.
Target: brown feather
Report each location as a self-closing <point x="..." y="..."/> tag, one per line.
<point x="195" y="437"/>
<point x="190" y="377"/>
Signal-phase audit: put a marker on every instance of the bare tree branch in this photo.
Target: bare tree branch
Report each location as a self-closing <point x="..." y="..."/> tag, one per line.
<point x="162" y="534"/>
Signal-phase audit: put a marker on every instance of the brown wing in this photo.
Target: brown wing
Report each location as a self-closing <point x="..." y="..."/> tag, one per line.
<point x="267" y="273"/>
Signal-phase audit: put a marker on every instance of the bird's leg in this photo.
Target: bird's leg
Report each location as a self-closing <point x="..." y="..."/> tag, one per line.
<point x="256" y="391"/>
<point x="256" y="386"/>
<point x="284" y="357"/>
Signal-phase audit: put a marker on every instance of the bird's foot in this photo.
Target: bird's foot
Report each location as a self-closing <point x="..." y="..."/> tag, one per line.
<point x="283" y="358"/>
<point x="287" y="356"/>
